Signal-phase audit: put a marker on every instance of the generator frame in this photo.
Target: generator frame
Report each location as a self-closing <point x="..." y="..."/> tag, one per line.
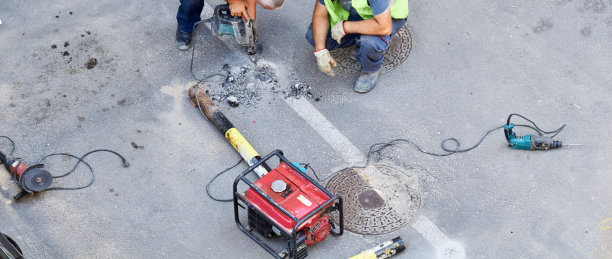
<point x="336" y="200"/>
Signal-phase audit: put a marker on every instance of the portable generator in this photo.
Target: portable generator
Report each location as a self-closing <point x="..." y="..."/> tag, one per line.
<point x="287" y="203"/>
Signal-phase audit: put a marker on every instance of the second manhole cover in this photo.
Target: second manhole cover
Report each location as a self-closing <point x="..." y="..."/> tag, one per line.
<point x="377" y="199"/>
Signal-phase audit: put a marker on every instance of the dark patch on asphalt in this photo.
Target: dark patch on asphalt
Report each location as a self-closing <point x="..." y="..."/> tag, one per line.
<point x="543" y="25"/>
<point x="66" y="44"/>
<point x="596" y="6"/>
<point x="53" y="46"/>
<point x="122" y="101"/>
<point x="88" y="32"/>
<point x="65" y="53"/>
<point x="47" y="102"/>
<point x="57" y="16"/>
<point x="111" y="190"/>
<point x="81" y="118"/>
<point x="70" y="13"/>
<point x="586" y="31"/>
<point x="135" y="146"/>
<point x="91" y="63"/>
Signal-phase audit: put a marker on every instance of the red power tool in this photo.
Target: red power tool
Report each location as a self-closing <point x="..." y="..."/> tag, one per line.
<point x="287" y="203"/>
<point x="30" y="178"/>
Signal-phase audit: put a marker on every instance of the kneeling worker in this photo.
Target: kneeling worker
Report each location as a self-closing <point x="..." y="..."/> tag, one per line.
<point x="369" y="24"/>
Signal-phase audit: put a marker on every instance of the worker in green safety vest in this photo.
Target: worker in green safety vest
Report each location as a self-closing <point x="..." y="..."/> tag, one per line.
<point x="366" y="24"/>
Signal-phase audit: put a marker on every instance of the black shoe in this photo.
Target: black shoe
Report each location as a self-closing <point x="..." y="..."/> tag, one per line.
<point x="183" y="39"/>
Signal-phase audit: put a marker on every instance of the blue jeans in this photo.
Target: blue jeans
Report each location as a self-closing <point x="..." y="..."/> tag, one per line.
<point x="371" y="47"/>
<point x="188" y="14"/>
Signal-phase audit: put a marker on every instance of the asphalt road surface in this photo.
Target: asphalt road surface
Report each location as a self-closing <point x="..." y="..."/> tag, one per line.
<point x="472" y="64"/>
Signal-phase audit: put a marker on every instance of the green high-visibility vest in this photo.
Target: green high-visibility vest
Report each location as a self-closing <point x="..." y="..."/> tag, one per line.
<point x="399" y="10"/>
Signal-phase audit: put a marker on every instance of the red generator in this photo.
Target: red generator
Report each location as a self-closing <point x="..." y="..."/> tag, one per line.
<point x="287" y="203"/>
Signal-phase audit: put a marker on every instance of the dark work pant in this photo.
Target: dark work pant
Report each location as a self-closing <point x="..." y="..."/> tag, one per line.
<point x="188" y="14"/>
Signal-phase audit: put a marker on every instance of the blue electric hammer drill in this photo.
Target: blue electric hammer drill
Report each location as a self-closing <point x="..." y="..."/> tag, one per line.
<point x="532" y="142"/>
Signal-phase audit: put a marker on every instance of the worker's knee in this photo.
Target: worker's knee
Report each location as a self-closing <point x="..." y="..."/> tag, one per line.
<point x="271" y="4"/>
<point x="373" y="44"/>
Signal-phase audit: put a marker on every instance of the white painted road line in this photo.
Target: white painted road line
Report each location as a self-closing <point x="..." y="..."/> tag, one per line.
<point x="349" y="152"/>
<point x="445" y="247"/>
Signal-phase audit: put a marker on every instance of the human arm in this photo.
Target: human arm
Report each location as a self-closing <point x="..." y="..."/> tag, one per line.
<point x="381" y="25"/>
<point x="320" y="25"/>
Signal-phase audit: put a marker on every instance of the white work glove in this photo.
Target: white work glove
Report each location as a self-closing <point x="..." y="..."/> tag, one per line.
<point x="325" y="61"/>
<point x="338" y="31"/>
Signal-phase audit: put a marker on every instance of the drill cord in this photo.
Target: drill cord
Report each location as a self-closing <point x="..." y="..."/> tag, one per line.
<point x="535" y="127"/>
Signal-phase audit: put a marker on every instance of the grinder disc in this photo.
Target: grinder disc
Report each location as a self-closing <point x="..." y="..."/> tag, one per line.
<point x="36" y="179"/>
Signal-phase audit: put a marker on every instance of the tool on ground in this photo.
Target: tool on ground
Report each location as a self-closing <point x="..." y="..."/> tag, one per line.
<point x="529" y="141"/>
<point x="543" y="141"/>
<point x="33" y="179"/>
<point x="384" y="250"/>
<point x="243" y="31"/>
<point x="9" y="248"/>
<point x="29" y="178"/>
<point x="284" y="202"/>
<point x="212" y="112"/>
<point x="287" y="203"/>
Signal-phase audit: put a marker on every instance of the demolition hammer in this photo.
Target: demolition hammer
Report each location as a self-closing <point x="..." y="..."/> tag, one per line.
<point x="244" y="32"/>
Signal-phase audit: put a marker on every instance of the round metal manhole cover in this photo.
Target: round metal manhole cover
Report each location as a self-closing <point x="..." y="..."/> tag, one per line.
<point x="399" y="49"/>
<point x="377" y="199"/>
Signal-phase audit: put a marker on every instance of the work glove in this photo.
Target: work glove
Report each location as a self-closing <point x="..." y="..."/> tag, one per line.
<point x="338" y="31"/>
<point x="325" y="61"/>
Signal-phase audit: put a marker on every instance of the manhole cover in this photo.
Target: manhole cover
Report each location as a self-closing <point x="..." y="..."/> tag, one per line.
<point x="398" y="52"/>
<point x="377" y="199"/>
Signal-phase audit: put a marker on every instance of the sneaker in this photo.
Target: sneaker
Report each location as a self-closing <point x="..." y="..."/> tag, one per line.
<point x="354" y="54"/>
<point x="366" y="82"/>
<point x="183" y="39"/>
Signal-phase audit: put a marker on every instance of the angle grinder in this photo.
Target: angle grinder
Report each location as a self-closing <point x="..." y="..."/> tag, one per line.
<point x="30" y="178"/>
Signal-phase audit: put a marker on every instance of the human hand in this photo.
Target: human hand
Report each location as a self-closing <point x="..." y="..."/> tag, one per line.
<point x="338" y="31"/>
<point x="238" y="8"/>
<point x="325" y="61"/>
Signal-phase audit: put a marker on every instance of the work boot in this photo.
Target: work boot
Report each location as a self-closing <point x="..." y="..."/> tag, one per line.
<point x="354" y="54"/>
<point x="366" y="82"/>
<point x="183" y="39"/>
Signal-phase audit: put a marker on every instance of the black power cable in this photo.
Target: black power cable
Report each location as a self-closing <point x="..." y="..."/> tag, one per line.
<point x="12" y="145"/>
<point x="79" y="161"/>
<point x="376" y="148"/>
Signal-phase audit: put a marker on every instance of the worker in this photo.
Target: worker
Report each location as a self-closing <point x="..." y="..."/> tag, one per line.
<point x="366" y="24"/>
<point x="189" y="14"/>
